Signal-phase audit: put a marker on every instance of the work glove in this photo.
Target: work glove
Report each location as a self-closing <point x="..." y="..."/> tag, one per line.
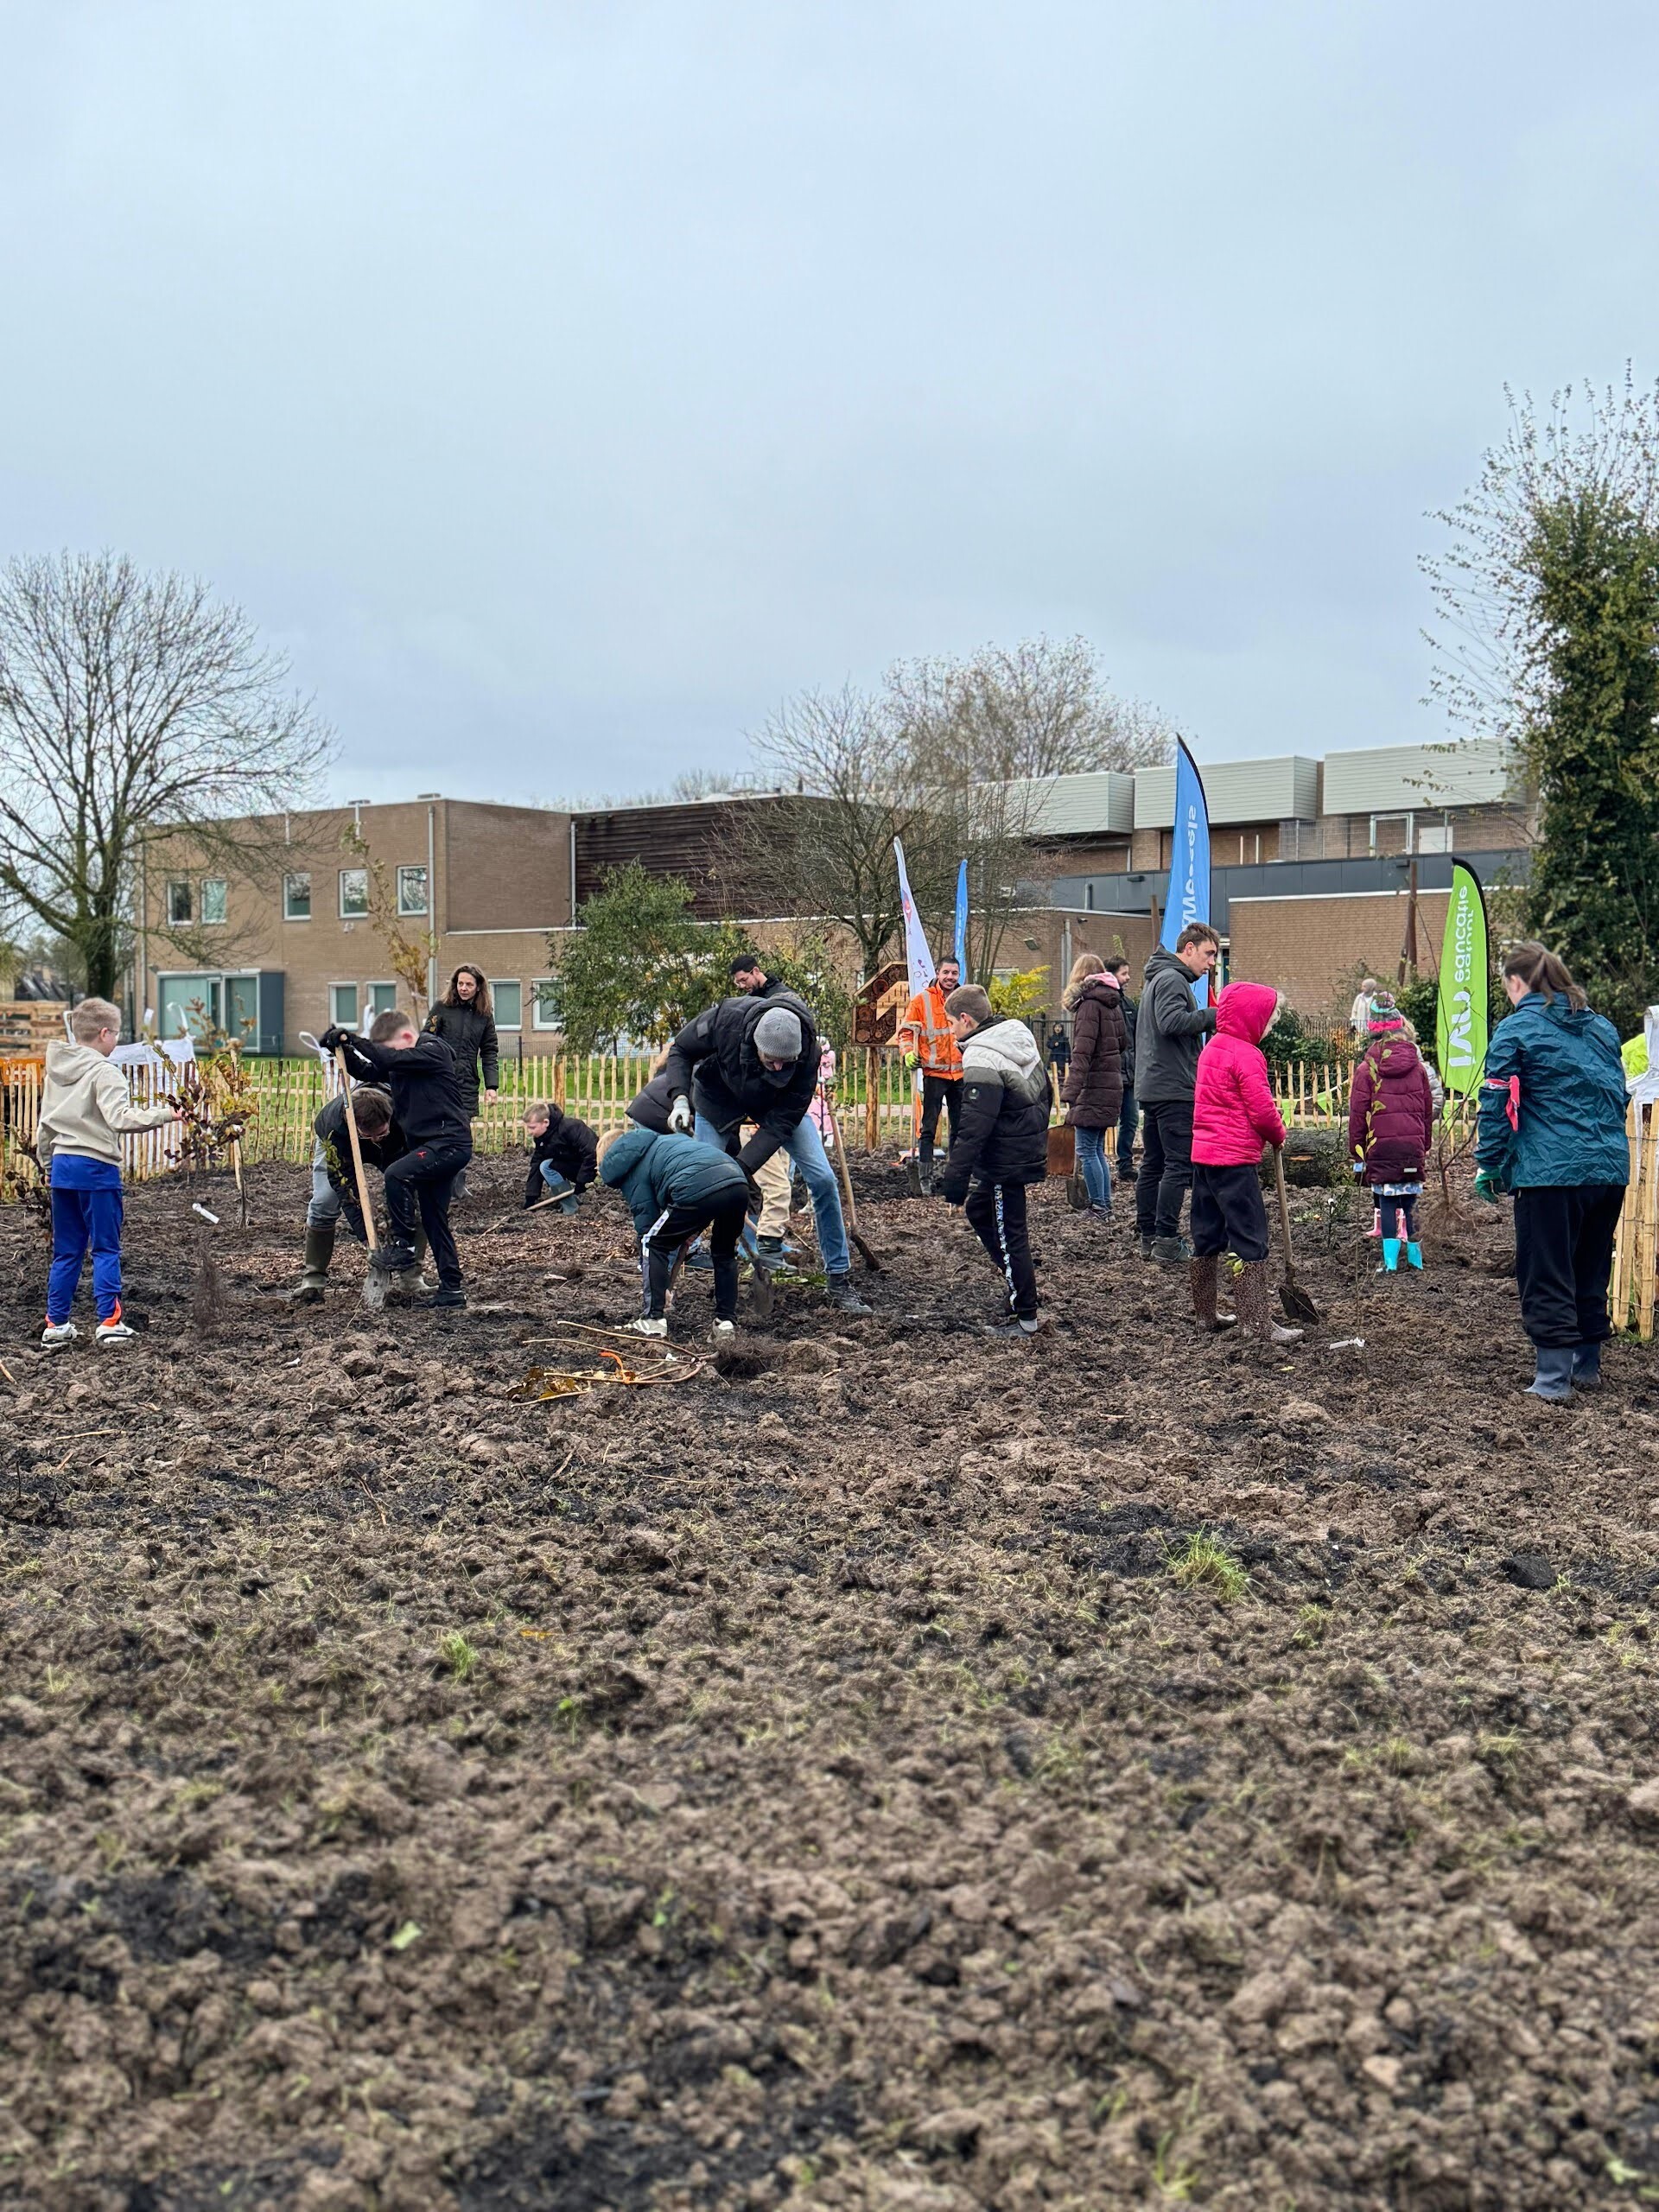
<point x="330" y="1038"/>
<point x="681" y="1119"/>
<point x="912" y="1061"/>
<point x="1486" y="1188"/>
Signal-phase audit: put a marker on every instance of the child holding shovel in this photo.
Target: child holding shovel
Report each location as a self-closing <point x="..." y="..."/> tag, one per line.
<point x="564" y="1156"/>
<point x="1233" y="1117"/>
<point x="333" y="1185"/>
<point x="419" y="1071"/>
<point x="85" y="1110"/>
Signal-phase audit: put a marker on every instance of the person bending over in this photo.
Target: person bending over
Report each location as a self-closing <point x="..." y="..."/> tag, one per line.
<point x="1001" y="1145"/>
<point x="756" y="1060"/>
<point x="564" y="1156"/>
<point x="419" y="1071"/>
<point x="333" y="1185"/>
<point x="677" y="1187"/>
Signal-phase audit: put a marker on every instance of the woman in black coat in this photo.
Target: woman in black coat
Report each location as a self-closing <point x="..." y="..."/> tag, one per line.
<point x="1094" y="1085"/>
<point x="466" y="1020"/>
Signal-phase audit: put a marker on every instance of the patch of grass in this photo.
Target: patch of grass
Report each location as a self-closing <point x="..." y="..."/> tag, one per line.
<point x="1311" y="1625"/>
<point x="458" y="1655"/>
<point x="1203" y="1562"/>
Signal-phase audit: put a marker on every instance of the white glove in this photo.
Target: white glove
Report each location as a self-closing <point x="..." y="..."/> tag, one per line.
<point x="681" y="1119"/>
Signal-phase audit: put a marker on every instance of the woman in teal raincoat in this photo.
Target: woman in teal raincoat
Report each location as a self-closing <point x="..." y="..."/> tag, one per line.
<point x="1552" y="1131"/>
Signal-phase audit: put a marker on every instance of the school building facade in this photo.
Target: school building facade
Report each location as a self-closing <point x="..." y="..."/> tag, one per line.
<point x="1319" y="867"/>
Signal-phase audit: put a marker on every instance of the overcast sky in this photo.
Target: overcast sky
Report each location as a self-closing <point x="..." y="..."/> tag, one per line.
<point x="560" y="385"/>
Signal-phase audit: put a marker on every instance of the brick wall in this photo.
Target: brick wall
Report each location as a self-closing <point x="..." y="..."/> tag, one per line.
<point x="1309" y="947"/>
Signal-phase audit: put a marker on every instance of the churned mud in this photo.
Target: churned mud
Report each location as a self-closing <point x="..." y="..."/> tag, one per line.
<point x="887" y="1770"/>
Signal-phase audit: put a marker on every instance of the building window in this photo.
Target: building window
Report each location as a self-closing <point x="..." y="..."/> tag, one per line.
<point x="342" y="1006"/>
<point x="382" y="998"/>
<point x="545" y="1011"/>
<point x="213" y="898"/>
<point x="179" y="907"/>
<point x="296" y="898"/>
<point x="509" y="1004"/>
<point x="411" y="890"/>
<point x="353" y="894"/>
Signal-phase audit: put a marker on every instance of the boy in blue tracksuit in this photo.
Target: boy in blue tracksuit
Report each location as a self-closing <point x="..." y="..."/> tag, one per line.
<point x="675" y="1188"/>
<point x="85" y="1110"/>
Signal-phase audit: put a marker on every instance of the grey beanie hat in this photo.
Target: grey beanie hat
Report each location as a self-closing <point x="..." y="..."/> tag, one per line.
<point x="778" y="1034"/>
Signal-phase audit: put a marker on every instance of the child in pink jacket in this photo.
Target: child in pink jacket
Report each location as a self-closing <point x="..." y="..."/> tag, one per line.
<point x="1233" y="1117"/>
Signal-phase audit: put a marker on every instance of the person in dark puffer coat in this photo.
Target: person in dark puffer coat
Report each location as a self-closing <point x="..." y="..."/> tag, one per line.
<point x="1001" y="1146"/>
<point x="1093" y="1092"/>
<point x="1391" y="1128"/>
<point x="675" y="1188"/>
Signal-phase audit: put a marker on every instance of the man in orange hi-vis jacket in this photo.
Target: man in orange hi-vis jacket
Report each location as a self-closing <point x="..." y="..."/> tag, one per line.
<point x="928" y="1042"/>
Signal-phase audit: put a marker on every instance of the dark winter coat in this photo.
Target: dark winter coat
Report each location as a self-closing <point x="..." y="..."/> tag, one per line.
<point x="572" y="1148"/>
<point x="471" y="1037"/>
<point x="1100" y="1041"/>
<point x="655" y="1172"/>
<point x="651" y="1108"/>
<point x="1552" y="1108"/>
<point x="425" y="1093"/>
<point x="1002" y="1132"/>
<point x="712" y="1061"/>
<point x="1391" y="1112"/>
<point x="330" y="1128"/>
<point x="1169" y="1029"/>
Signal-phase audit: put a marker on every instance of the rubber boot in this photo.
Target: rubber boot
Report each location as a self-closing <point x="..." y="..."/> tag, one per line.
<point x="1255" y="1314"/>
<point x="1390" y="1256"/>
<point x="841" y="1295"/>
<point x="1414" y="1255"/>
<point x="1587" y="1367"/>
<point x="319" y="1251"/>
<point x="1204" y="1276"/>
<point x="1553" y="1381"/>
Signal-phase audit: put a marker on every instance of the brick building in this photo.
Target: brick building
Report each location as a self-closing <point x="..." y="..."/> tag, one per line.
<point x="1314" y="864"/>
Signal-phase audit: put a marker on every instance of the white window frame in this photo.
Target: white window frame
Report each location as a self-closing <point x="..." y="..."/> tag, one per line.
<point x="356" y="990"/>
<point x="369" y="1005"/>
<point x="298" y="875"/>
<point x="349" y="913"/>
<point x="180" y="921"/>
<point x="1395" y="814"/>
<point x="415" y="868"/>
<point x="537" y="985"/>
<point x="215" y="921"/>
<point x="511" y="983"/>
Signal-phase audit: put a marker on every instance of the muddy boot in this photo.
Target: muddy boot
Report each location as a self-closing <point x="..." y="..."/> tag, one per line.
<point x="424" y="1284"/>
<point x="1171" y="1251"/>
<point x="1415" y="1256"/>
<point x="1587" y="1367"/>
<point x="1390" y="1256"/>
<point x="840" y="1294"/>
<point x="1205" y="1276"/>
<point x="1255" y="1314"/>
<point x="319" y="1251"/>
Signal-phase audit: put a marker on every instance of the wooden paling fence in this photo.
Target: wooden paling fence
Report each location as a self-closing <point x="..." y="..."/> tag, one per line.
<point x="1635" y="1253"/>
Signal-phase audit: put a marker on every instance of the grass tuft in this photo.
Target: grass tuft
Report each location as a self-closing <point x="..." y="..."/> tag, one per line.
<point x="1203" y="1562"/>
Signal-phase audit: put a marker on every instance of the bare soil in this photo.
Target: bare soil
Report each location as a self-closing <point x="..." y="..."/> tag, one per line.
<point x="812" y="1784"/>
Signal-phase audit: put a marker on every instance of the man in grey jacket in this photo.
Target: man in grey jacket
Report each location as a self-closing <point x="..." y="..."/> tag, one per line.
<point x="1170" y="1027"/>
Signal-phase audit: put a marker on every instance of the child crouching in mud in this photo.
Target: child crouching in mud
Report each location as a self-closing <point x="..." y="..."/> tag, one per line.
<point x="1233" y="1117"/>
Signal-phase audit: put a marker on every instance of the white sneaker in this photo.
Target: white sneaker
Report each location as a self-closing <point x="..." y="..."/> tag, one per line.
<point x="57" y="1334"/>
<point x="645" y="1326"/>
<point x="113" y="1332"/>
<point x="724" y="1329"/>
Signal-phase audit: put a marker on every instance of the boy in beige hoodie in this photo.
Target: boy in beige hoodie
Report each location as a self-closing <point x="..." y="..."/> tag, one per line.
<point x="86" y="1111"/>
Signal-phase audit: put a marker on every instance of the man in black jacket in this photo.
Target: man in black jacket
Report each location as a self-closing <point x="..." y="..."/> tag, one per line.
<point x="1000" y="1146"/>
<point x="420" y="1073"/>
<point x="1170" y="1027"/>
<point x="563" y="1157"/>
<point x="756" y="1060"/>
<point x="334" y="1184"/>
<point x="750" y="979"/>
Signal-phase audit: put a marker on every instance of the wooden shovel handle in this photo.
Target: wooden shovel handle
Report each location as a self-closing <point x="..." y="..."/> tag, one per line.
<point x="356" y="1150"/>
<point x="1284" y="1205"/>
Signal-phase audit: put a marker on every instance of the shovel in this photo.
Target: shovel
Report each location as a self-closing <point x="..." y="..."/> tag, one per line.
<point x="1295" y="1301"/>
<point x="864" y="1251"/>
<point x="375" y="1285"/>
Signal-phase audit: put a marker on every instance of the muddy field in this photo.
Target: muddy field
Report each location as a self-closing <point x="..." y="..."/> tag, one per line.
<point x="897" y="1772"/>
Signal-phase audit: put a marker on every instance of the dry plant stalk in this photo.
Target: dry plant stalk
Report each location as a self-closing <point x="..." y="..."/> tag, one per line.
<point x="208" y="1291"/>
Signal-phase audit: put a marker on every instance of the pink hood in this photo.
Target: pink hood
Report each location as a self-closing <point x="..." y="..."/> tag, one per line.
<point x="1246" y="1010"/>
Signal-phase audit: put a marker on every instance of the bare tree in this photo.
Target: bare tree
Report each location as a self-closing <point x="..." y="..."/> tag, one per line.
<point x="128" y="705"/>
<point x="851" y="785"/>
<point x="988" y="736"/>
